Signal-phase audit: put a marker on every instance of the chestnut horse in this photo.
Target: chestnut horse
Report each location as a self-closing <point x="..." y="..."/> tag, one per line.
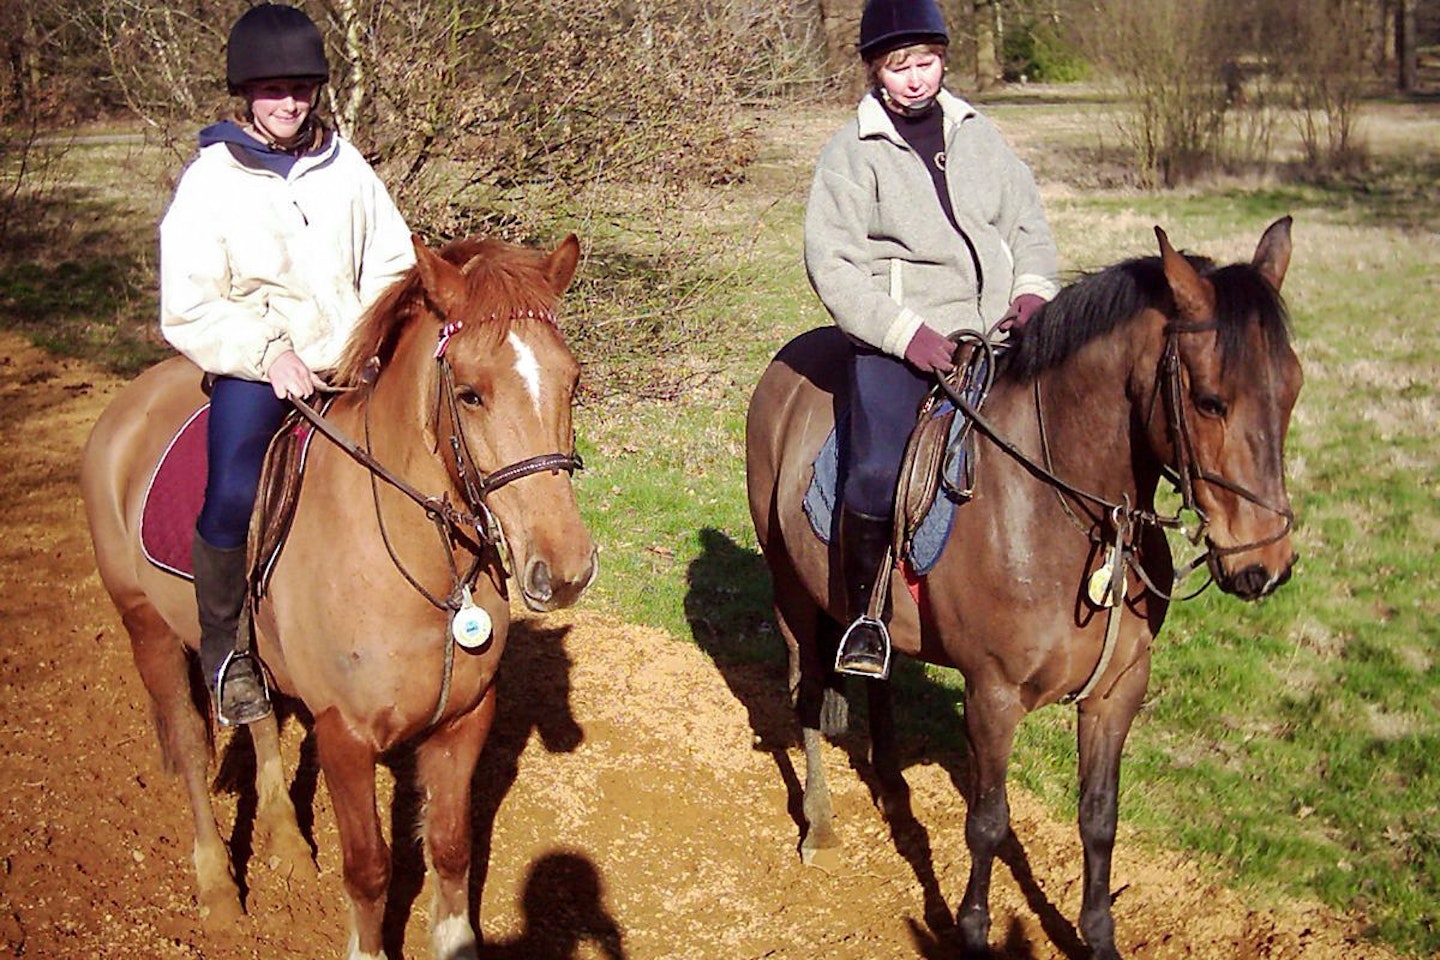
<point x="452" y="460"/>
<point x="1157" y="366"/>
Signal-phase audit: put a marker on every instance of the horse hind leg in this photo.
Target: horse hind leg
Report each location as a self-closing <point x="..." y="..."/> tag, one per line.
<point x="185" y="748"/>
<point x="277" y="830"/>
<point x="445" y="767"/>
<point x="823" y="711"/>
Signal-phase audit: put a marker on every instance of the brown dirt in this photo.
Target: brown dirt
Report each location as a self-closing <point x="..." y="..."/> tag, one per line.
<point x="635" y="800"/>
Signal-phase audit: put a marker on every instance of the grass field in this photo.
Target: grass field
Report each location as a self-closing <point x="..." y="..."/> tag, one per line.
<point x="1294" y="744"/>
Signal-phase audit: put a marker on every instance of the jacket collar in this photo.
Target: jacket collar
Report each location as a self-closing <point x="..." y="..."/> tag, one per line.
<point x="251" y="154"/>
<point x="875" y="120"/>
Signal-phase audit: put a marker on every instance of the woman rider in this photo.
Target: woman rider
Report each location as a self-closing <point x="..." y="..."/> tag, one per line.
<point x="921" y="221"/>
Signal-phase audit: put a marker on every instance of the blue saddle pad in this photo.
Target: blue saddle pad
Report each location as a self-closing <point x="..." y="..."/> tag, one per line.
<point x="933" y="532"/>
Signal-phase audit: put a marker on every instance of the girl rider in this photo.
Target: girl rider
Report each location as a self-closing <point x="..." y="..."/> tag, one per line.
<point x="278" y="237"/>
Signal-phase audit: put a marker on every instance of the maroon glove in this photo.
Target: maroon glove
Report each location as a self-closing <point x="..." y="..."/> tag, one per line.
<point x="930" y="352"/>
<point x="1021" y="309"/>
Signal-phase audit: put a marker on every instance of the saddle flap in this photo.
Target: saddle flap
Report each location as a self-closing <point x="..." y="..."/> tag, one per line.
<point x="275" y="501"/>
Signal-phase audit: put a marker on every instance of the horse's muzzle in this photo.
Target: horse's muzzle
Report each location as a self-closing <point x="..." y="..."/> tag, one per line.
<point x="545" y="590"/>
<point x="1255" y="581"/>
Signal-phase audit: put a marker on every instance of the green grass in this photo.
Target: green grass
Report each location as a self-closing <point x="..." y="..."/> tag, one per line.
<point x="1293" y="744"/>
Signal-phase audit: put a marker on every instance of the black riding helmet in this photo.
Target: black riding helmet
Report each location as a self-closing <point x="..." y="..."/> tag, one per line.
<point x="272" y="40"/>
<point x="887" y="25"/>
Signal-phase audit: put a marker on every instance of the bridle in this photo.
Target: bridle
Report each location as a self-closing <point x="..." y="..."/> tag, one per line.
<point x="1188" y="471"/>
<point x="1124" y="518"/>
<point x="453" y="524"/>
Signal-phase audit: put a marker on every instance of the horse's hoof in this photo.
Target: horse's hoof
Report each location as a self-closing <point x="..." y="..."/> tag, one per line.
<point x="289" y="856"/>
<point x="821" y="848"/>
<point x="220" y="910"/>
<point x="827" y="859"/>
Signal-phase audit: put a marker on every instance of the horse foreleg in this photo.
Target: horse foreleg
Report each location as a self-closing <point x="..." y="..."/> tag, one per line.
<point x="349" y="766"/>
<point x="445" y="766"/>
<point x="185" y="749"/>
<point x="1102" y="725"/>
<point x="991" y="716"/>
<point x="276" y="828"/>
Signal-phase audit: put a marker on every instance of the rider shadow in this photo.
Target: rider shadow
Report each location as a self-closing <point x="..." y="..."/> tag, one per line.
<point x="728" y="606"/>
<point x="564" y="906"/>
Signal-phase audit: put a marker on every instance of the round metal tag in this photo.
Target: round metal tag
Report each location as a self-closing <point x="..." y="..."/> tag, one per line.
<point x="471" y="626"/>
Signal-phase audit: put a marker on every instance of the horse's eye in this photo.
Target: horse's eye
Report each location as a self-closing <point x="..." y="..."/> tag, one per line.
<point x="1210" y="405"/>
<point x="469" y="397"/>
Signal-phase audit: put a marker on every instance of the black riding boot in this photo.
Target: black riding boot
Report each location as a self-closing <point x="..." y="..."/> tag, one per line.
<point x="865" y="647"/>
<point x="237" y="688"/>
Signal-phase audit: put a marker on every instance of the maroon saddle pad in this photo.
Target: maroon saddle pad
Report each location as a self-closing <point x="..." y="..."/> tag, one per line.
<point x="174" y="497"/>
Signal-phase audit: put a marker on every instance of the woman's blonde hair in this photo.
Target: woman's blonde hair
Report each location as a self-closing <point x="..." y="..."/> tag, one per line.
<point x="900" y="56"/>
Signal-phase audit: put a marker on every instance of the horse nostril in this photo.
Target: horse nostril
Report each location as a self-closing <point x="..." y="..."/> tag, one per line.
<point x="537" y="582"/>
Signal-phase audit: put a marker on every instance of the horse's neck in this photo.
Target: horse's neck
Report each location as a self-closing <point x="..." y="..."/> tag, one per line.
<point x="396" y="415"/>
<point x="1082" y="424"/>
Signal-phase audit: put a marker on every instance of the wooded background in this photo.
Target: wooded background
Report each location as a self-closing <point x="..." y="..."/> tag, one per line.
<point x="499" y="115"/>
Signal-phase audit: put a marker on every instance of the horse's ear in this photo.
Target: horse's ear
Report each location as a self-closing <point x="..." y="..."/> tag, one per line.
<point x="1272" y="255"/>
<point x="443" y="282"/>
<point x="560" y="265"/>
<point x="1194" y="297"/>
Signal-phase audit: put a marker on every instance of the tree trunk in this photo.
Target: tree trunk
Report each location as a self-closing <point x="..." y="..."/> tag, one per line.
<point x="987" y="62"/>
<point x="840" y="20"/>
<point x="1405" y="43"/>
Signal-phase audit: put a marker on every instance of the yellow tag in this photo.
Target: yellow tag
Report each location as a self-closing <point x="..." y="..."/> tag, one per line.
<point x="1099" y="588"/>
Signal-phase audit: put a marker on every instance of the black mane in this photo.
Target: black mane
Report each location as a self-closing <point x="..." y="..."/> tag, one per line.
<point x="1097" y="303"/>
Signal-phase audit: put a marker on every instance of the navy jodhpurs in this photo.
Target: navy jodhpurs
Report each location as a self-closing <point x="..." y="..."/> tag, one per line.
<point x="244" y="415"/>
<point x="885" y="397"/>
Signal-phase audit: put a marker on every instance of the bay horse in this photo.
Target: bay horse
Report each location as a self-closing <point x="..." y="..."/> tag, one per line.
<point x="451" y="472"/>
<point x="1162" y="365"/>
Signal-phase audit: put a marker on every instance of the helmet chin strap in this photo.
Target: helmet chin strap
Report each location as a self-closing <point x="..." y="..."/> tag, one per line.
<point x="917" y="109"/>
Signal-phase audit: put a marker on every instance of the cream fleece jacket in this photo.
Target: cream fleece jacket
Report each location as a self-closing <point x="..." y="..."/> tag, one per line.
<point x="253" y="264"/>
<point x="879" y="250"/>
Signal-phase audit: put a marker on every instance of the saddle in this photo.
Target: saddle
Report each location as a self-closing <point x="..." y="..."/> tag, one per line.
<point x="940" y="457"/>
<point x="936" y="475"/>
<point x="177" y="491"/>
<point x="278" y="493"/>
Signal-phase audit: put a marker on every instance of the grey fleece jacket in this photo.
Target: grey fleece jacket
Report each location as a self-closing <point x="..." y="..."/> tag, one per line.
<point x="879" y="250"/>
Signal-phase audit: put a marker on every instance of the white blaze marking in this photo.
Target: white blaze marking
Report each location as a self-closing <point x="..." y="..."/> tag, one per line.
<point x="527" y="367"/>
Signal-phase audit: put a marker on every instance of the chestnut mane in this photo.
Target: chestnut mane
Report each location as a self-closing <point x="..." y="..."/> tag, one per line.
<point x="504" y="283"/>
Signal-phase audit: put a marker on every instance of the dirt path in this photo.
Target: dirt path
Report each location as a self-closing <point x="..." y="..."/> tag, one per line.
<point x="635" y="800"/>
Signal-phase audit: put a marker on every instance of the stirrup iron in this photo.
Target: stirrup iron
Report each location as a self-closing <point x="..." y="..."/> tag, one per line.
<point x="233" y="657"/>
<point x="865" y="623"/>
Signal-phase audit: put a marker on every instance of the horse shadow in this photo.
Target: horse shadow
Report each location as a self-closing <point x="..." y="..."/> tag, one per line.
<point x="562" y="899"/>
<point x="728" y="608"/>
